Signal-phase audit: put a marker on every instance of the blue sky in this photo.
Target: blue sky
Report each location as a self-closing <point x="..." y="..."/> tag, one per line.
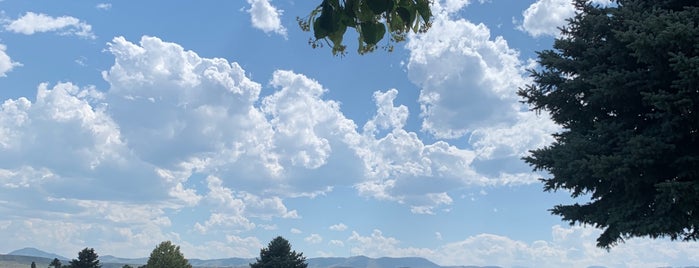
<point x="215" y="125"/>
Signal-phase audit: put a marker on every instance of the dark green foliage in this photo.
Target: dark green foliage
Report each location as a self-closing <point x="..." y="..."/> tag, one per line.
<point x="167" y="255"/>
<point x="623" y="82"/>
<point x="55" y="263"/>
<point x="278" y="254"/>
<point x="370" y="18"/>
<point x="126" y="266"/>
<point x="87" y="258"/>
<point x="33" y="265"/>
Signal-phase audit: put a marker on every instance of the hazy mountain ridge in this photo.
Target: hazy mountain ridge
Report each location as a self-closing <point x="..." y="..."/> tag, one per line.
<point x="25" y="256"/>
<point x="33" y="252"/>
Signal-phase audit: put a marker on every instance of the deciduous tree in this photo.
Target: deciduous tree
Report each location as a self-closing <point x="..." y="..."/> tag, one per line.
<point x="167" y="255"/>
<point x="623" y="83"/>
<point x="371" y="19"/>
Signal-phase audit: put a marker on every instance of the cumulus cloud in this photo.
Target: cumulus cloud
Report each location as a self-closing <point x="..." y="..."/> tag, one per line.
<point x="195" y="133"/>
<point x="567" y="247"/>
<point x="233" y="209"/>
<point x="468" y="81"/>
<point x="338" y="227"/>
<point x="314" y="239"/>
<point x="6" y="63"/>
<point x="266" y="17"/>
<point x="545" y="17"/>
<point x="104" y="6"/>
<point x="31" y="23"/>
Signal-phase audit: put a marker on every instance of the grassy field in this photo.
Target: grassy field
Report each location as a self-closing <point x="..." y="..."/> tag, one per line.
<point x="13" y="261"/>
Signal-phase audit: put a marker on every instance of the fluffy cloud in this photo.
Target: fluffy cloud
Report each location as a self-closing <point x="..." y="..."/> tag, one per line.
<point x="194" y="134"/>
<point x="568" y="247"/>
<point x="338" y="227"/>
<point x="314" y="239"/>
<point x="544" y="17"/>
<point x="233" y="209"/>
<point x="266" y="17"/>
<point x="6" y="63"/>
<point x="32" y="23"/>
<point x="104" y="6"/>
<point x="468" y="81"/>
<point x="82" y="143"/>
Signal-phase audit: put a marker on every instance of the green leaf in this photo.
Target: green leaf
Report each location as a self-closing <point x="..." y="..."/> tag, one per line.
<point x="423" y="7"/>
<point x="319" y="32"/>
<point x="364" y="13"/>
<point x="380" y="6"/>
<point x="336" y="37"/>
<point x="404" y="14"/>
<point x="396" y="23"/>
<point x="372" y="32"/>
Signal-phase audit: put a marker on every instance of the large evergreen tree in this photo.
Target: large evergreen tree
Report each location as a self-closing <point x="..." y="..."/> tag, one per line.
<point x="167" y="255"/>
<point x="623" y="82"/>
<point x="278" y="254"/>
<point x="87" y="258"/>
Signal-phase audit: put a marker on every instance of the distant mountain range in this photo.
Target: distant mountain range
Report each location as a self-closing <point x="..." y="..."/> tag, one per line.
<point x="36" y="253"/>
<point x="24" y="257"/>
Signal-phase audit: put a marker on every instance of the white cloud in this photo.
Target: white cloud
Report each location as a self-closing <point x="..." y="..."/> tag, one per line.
<point x="295" y="231"/>
<point x="6" y="63"/>
<point x="337" y="243"/>
<point x="387" y="116"/>
<point x="314" y="239"/>
<point x="32" y="23"/>
<point x="378" y="245"/>
<point x="234" y="209"/>
<point x="400" y="167"/>
<point x="451" y="6"/>
<point x="104" y="6"/>
<point x="304" y="134"/>
<point x="510" y="141"/>
<point x="338" y="227"/>
<point x="232" y="245"/>
<point x="544" y="17"/>
<point x="294" y="131"/>
<point x="193" y="132"/>
<point x="568" y="247"/>
<point x="468" y="81"/>
<point x="266" y="17"/>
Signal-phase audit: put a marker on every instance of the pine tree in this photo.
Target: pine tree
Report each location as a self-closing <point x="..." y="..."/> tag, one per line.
<point x="623" y="82"/>
<point x="55" y="263"/>
<point x="278" y="254"/>
<point x="87" y="258"/>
